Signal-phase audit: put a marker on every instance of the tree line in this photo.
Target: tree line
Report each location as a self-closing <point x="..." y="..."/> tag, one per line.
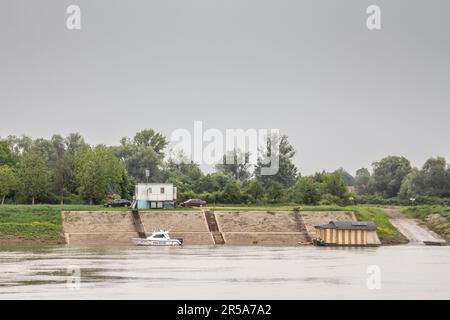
<point x="68" y="170"/>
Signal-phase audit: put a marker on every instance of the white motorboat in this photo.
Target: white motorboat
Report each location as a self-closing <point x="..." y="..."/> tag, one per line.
<point x="158" y="238"/>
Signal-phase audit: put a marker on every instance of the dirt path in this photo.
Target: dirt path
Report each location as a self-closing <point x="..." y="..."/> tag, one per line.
<point x="411" y="228"/>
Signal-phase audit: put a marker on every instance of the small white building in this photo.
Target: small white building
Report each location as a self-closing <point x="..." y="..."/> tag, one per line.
<point x="155" y="195"/>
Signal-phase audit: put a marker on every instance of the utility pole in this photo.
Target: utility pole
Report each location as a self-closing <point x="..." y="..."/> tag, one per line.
<point x="147" y="174"/>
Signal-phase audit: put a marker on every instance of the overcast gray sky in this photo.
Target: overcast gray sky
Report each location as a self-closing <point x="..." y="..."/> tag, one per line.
<point x="346" y="96"/>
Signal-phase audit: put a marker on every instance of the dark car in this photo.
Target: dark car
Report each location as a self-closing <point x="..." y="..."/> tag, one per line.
<point x="118" y="203"/>
<point x="193" y="203"/>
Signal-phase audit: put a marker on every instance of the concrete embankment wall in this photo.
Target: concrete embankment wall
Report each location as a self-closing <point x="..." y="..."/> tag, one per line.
<point x="312" y="218"/>
<point x="95" y="227"/>
<point x="236" y="228"/>
<point x="270" y="228"/>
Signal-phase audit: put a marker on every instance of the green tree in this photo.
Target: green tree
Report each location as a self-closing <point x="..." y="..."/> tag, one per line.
<point x="432" y="180"/>
<point x="347" y="177"/>
<point x="183" y="168"/>
<point x="62" y="162"/>
<point x="275" y="192"/>
<point x="362" y="181"/>
<point x="183" y="173"/>
<point x="306" y="191"/>
<point x="331" y="183"/>
<point x="151" y="138"/>
<point x="435" y="178"/>
<point x="99" y="172"/>
<point x="47" y="150"/>
<point x="412" y="184"/>
<point x="6" y="156"/>
<point x="231" y="192"/>
<point x="388" y="175"/>
<point x="34" y="176"/>
<point x="8" y="181"/>
<point x="19" y="145"/>
<point x="239" y="168"/>
<point x="64" y="176"/>
<point x="254" y="190"/>
<point x="75" y="143"/>
<point x="210" y="182"/>
<point x="144" y="152"/>
<point x="279" y="148"/>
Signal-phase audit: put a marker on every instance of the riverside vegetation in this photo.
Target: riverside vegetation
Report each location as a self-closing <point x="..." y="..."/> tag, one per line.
<point x="70" y="172"/>
<point x="67" y="170"/>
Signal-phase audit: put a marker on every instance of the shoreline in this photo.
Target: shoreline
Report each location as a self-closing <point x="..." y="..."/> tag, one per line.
<point x="42" y="224"/>
<point x="17" y="240"/>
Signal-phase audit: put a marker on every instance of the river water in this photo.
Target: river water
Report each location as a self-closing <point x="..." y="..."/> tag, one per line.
<point x="225" y="272"/>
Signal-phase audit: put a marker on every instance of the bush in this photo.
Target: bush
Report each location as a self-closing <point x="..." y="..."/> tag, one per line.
<point x="421" y="200"/>
<point x="210" y="197"/>
<point x="275" y="193"/>
<point x="329" y="199"/>
<point x="185" y="195"/>
<point x="422" y="212"/>
<point x="74" y="199"/>
<point x="306" y="191"/>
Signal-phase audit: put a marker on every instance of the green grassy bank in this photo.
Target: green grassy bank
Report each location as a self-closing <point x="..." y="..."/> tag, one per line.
<point x="42" y="223"/>
<point x="386" y="231"/>
<point x="38" y="223"/>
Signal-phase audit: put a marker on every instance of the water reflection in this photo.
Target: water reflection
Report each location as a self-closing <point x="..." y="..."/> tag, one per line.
<point x="224" y="272"/>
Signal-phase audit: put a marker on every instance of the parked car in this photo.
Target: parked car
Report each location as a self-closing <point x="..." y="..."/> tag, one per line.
<point x="193" y="203"/>
<point x="118" y="203"/>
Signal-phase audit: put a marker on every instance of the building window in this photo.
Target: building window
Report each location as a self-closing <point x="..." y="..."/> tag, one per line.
<point x="149" y="190"/>
<point x="162" y="190"/>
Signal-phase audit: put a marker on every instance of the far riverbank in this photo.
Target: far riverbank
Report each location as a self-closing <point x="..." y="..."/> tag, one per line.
<point x="42" y="223"/>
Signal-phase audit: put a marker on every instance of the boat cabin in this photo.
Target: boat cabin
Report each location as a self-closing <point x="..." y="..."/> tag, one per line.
<point x="160" y="235"/>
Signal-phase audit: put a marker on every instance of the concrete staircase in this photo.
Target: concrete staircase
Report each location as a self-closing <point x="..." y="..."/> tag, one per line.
<point x="138" y="225"/>
<point x="214" y="227"/>
<point x="301" y="226"/>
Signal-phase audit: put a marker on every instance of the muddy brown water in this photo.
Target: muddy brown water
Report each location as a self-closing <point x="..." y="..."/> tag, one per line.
<point x="224" y="272"/>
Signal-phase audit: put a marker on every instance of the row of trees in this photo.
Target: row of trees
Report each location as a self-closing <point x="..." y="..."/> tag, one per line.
<point x="395" y="177"/>
<point x="68" y="170"/>
<point x="58" y="169"/>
